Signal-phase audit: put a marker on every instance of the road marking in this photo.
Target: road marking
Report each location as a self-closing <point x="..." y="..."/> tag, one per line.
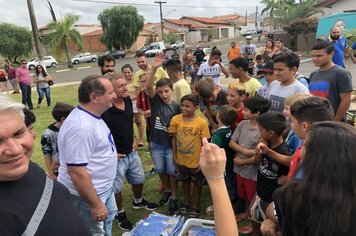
<point x="305" y="60"/>
<point x="62" y="70"/>
<point x="85" y="67"/>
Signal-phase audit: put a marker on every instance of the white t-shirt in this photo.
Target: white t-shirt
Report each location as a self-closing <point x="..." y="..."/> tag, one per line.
<point x="85" y="140"/>
<point x="210" y="71"/>
<point x="277" y="93"/>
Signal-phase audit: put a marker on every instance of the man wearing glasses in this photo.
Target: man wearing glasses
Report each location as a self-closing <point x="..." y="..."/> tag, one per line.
<point x="24" y="81"/>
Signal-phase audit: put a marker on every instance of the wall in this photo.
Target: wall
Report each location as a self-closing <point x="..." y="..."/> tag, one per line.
<point x="193" y="37"/>
<point x="304" y="46"/>
<point x="342" y="5"/>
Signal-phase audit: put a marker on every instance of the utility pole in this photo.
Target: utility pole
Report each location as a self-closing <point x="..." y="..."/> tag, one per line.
<point x="160" y="12"/>
<point x="256" y="19"/>
<point x="35" y="30"/>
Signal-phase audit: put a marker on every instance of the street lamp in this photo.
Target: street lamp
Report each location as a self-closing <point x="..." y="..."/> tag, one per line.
<point x="169" y="13"/>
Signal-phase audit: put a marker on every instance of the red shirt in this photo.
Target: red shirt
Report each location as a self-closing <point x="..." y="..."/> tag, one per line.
<point x="294" y="163"/>
<point x="238" y="119"/>
<point x="143" y="103"/>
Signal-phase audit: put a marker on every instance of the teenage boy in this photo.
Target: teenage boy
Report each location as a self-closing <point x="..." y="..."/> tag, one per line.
<point x="187" y="130"/>
<point x="119" y="118"/>
<point x="163" y="108"/>
<point x="212" y="68"/>
<point x="285" y="66"/>
<point x="50" y="136"/>
<point x="330" y="81"/>
<point x="212" y="98"/>
<point x="238" y="69"/>
<point x="180" y="85"/>
<point x="243" y="142"/>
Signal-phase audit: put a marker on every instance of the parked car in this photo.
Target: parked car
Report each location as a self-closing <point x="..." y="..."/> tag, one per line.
<point x="176" y="45"/>
<point x="144" y="48"/>
<point x="249" y="32"/>
<point x="116" y="54"/>
<point x="49" y="62"/>
<point x="154" y="48"/>
<point x="84" y="57"/>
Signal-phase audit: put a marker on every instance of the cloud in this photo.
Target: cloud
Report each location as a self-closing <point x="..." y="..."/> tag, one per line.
<point x="16" y="12"/>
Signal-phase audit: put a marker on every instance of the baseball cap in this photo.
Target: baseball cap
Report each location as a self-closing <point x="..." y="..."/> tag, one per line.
<point x="268" y="68"/>
<point x="248" y="37"/>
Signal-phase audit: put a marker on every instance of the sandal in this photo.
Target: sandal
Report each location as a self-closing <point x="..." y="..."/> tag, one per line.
<point x="184" y="209"/>
<point x="194" y="213"/>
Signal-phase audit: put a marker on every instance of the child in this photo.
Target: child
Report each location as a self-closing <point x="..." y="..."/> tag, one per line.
<point x="49" y="138"/>
<point x="193" y="75"/>
<point x="260" y="76"/>
<point x="251" y="63"/>
<point x="30" y="120"/>
<point x="244" y="141"/>
<point x="235" y="96"/>
<point x="259" y="62"/>
<point x="268" y="74"/>
<point x="188" y="129"/>
<point x="213" y="97"/>
<point x="163" y="108"/>
<point x="271" y="126"/>
<point x="143" y="104"/>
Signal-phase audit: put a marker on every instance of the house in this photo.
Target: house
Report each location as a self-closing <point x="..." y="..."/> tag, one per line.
<point x="330" y="7"/>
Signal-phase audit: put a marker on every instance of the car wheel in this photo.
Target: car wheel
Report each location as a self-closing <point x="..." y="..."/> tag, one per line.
<point x="31" y="67"/>
<point x="174" y="48"/>
<point x="76" y="62"/>
<point x="93" y="59"/>
<point x="123" y="56"/>
<point x="183" y="46"/>
<point x="54" y="65"/>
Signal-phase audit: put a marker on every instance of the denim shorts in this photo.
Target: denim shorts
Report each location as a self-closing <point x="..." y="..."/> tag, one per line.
<point x="131" y="167"/>
<point x="163" y="159"/>
<point x="97" y="228"/>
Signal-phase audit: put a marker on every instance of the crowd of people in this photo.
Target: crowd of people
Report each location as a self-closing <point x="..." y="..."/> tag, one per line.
<point x="273" y="146"/>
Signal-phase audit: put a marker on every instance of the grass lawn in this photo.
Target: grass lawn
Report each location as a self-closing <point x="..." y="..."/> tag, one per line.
<point x="44" y="117"/>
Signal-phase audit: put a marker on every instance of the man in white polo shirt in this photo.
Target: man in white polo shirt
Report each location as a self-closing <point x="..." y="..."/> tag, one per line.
<point x="88" y="156"/>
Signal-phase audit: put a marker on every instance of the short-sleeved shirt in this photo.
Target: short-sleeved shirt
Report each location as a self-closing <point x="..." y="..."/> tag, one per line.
<point x="277" y="93"/>
<point x="234" y="53"/>
<point x="49" y="142"/>
<point x="329" y="84"/>
<point x="248" y="48"/>
<point x="199" y="55"/>
<point x="120" y="123"/>
<point x="85" y="140"/>
<point x="293" y="142"/>
<point x="160" y="73"/>
<point x="251" y="86"/>
<point x="181" y="88"/>
<point x="24" y="76"/>
<point x="246" y="137"/>
<point x="268" y="173"/>
<point x="161" y="115"/>
<point x="205" y="70"/>
<point x="339" y="50"/>
<point x="262" y="92"/>
<point x="238" y="119"/>
<point x="221" y="138"/>
<point x="189" y="136"/>
<point x="11" y="73"/>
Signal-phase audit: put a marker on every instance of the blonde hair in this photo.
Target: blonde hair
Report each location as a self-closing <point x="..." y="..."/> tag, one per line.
<point x="290" y="100"/>
<point x="8" y="104"/>
<point x="238" y="87"/>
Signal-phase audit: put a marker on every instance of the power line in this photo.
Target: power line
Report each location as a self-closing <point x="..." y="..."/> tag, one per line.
<point x="160" y="13"/>
<point x="153" y="5"/>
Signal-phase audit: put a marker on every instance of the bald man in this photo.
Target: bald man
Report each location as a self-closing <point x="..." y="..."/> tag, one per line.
<point x="340" y="45"/>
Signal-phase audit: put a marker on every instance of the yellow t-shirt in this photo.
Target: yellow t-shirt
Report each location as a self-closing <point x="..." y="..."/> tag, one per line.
<point x="189" y="136"/>
<point x="181" y="88"/>
<point x="251" y="86"/>
<point x="160" y="73"/>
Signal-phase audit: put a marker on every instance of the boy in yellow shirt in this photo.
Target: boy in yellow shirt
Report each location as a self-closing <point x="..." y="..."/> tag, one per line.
<point x="188" y="130"/>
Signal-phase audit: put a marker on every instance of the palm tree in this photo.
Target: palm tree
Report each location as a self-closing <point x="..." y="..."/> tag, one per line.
<point x="62" y="31"/>
<point x="271" y="7"/>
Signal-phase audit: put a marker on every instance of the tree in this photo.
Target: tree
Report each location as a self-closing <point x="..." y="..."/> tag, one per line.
<point x="121" y="26"/>
<point x="62" y="31"/>
<point x="15" y="41"/>
<point x="171" y="38"/>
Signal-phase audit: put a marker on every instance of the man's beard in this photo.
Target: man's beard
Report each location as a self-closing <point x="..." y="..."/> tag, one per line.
<point x="107" y="72"/>
<point x="334" y="37"/>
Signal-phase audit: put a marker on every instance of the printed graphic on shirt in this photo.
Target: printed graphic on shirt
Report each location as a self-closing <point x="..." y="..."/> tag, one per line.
<point x="320" y="88"/>
<point x="159" y="125"/>
<point x="277" y="103"/>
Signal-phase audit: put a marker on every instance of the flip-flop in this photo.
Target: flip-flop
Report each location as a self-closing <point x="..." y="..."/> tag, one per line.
<point x="194" y="213"/>
<point x="184" y="209"/>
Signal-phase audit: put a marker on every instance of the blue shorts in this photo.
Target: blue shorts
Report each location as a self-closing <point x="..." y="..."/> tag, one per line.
<point x="163" y="159"/>
<point x="97" y="228"/>
<point x="131" y="167"/>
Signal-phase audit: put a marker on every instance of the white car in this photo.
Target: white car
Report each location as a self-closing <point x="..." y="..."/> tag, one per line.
<point x="176" y="45"/>
<point x="84" y="57"/>
<point x="154" y="48"/>
<point x="49" y="61"/>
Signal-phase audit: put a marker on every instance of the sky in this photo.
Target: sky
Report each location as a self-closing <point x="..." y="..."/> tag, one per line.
<point x="16" y="11"/>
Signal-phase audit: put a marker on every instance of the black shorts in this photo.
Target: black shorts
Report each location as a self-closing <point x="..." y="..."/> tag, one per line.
<point x="184" y="173"/>
<point x="148" y="135"/>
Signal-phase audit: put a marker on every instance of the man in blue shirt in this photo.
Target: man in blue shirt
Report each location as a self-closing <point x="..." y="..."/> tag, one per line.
<point x="340" y="45"/>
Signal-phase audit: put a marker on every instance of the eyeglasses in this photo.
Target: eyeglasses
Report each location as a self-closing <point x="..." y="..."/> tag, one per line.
<point x="24" y="63"/>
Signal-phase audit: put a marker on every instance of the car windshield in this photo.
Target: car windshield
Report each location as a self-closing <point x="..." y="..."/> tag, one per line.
<point x="78" y="55"/>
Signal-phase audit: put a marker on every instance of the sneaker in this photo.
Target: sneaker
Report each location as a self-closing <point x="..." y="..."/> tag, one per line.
<point x="123" y="222"/>
<point x="164" y="199"/>
<point x="144" y="204"/>
<point x="173" y="206"/>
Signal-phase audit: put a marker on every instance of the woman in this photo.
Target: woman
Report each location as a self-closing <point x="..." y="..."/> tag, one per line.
<point x="267" y="50"/>
<point x="41" y="79"/>
<point x="127" y="71"/>
<point x="324" y="202"/>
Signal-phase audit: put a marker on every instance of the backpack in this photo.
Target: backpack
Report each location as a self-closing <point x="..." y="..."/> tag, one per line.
<point x="300" y="76"/>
